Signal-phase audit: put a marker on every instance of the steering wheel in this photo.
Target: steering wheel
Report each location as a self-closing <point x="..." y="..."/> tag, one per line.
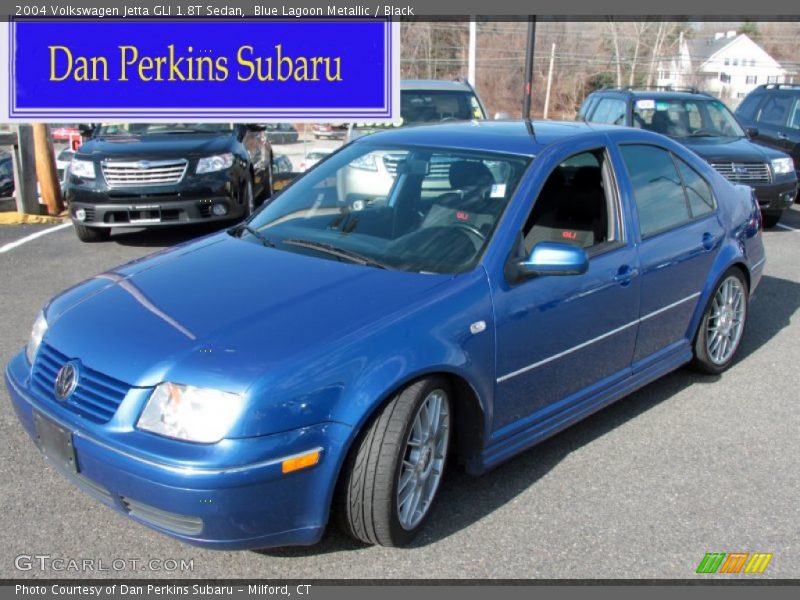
<point x="470" y="229"/>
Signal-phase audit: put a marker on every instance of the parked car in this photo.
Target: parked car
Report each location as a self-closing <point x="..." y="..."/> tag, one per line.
<point x="704" y="124"/>
<point x="282" y="133"/>
<point x="772" y="114"/>
<point x="429" y="101"/>
<point x="281" y="164"/>
<point x="421" y="102"/>
<point x="231" y="391"/>
<point x="6" y="175"/>
<point x="312" y="156"/>
<point x="152" y="174"/>
<point x="335" y="131"/>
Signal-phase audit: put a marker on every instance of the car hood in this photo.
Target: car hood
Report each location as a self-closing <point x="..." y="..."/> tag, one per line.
<point x="223" y="311"/>
<point x="153" y="147"/>
<point x="726" y="149"/>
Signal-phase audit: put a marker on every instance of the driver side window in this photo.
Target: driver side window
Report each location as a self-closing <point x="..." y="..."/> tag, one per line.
<point x="574" y="204"/>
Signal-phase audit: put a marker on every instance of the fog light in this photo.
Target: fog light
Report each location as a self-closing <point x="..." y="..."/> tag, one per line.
<point x="80" y="214"/>
<point x="219" y="210"/>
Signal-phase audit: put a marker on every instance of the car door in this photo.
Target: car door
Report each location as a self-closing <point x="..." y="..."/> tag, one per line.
<point x="771" y="121"/>
<point x="560" y="339"/>
<point x="678" y="235"/>
<point x="792" y="132"/>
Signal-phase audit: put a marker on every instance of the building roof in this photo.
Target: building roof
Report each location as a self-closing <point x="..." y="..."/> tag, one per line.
<point x="702" y="49"/>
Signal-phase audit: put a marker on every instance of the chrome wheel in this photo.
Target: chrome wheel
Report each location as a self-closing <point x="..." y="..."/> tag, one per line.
<point x="423" y="459"/>
<point x="725" y="320"/>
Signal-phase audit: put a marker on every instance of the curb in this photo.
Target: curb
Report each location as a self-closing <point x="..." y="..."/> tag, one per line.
<point x="15" y="218"/>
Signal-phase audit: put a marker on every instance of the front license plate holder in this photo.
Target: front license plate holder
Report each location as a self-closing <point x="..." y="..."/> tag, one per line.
<point x="55" y="442"/>
<point x="144" y="215"/>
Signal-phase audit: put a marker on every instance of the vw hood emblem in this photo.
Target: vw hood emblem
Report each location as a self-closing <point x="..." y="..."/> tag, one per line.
<point x="66" y="380"/>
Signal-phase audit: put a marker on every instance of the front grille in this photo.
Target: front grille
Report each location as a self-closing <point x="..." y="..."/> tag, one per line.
<point x="178" y="523"/>
<point x="144" y="172"/>
<point x="744" y="172"/>
<point x="439" y="168"/>
<point x="97" y="396"/>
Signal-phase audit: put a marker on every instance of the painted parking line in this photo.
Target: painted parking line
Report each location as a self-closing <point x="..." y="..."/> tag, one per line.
<point x="31" y="237"/>
<point x="787" y="228"/>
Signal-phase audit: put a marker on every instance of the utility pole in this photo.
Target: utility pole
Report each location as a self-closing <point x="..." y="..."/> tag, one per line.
<point x="49" y="185"/>
<point x="472" y="44"/>
<point x="549" y="80"/>
<point x="526" y="98"/>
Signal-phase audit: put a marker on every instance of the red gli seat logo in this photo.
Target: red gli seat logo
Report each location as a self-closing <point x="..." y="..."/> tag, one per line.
<point x="569" y="235"/>
<point x="462" y="216"/>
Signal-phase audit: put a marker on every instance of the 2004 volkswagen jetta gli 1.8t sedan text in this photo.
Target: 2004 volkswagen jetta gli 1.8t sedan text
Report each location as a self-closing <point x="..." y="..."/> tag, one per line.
<point x="538" y="273"/>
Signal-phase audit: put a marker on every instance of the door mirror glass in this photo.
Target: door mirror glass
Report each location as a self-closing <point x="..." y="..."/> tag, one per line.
<point x="555" y="258"/>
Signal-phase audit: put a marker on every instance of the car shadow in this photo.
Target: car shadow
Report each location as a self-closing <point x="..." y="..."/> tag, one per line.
<point x="464" y="500"/>
<point x="158" y="237"/>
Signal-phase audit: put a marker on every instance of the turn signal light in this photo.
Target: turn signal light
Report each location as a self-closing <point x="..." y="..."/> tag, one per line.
<point x="302" y="461"/>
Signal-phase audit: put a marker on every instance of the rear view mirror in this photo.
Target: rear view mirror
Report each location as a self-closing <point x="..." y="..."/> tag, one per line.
<point x="413" y="166"/>
<point x="555" y="258"/>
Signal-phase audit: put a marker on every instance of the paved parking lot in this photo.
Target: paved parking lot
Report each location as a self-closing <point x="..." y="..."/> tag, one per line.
<point x="644" y="488"/>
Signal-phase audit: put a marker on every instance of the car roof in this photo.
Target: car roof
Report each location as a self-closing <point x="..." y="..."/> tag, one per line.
<point x="658" y="94"/>
<point x="525" y="138"/>
<point x="434" y="84"/>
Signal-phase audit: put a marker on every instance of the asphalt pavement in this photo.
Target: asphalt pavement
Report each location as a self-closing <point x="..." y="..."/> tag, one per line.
<point x="643" y="489"/>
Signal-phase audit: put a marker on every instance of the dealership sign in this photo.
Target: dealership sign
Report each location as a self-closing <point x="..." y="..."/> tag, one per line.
<point x="208" y="70"/>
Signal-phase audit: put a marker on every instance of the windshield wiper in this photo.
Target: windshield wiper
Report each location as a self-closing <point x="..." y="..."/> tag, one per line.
<point x="706" y="133"/>
<point x="255" y="233"/>
<point x="354" y="257"/>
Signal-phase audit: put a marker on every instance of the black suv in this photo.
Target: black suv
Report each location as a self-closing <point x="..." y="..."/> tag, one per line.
<point x="772" y="113"/>
<point x="151" y="174"/>
<point x="705" y="125"/>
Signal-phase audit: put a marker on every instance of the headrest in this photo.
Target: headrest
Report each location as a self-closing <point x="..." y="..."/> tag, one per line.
<point x="467" y="174"/>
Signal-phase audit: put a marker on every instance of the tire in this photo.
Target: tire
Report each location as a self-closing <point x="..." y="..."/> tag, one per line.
<point x="91" y="234"/>
<point x="375" y="504"/>
<point x="770" y="220"/>
<point x="722" y="327"/>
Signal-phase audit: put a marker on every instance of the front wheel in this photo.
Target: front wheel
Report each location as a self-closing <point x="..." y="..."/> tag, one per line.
<point x="91" y="234"/>
<point x="722" y="326"/>
<point x="394" y="474"/>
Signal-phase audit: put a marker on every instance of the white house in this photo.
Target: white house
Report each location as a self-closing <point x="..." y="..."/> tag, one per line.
<point x="727" y="65"/>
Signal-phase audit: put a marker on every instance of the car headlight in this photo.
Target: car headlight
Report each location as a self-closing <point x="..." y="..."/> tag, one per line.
<point x="35" y="340"/>
<point x="781" y="166"/>
<point x="82" y="168"/>
<point x="190" y="413"/>
<point x="366" y="162"/>
<point x="220" y="162"/>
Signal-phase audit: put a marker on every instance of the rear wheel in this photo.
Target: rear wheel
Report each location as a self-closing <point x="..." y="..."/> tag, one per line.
<point x="722" y="326"/>
<point x="394" y="474"/>
<point x="91" y="234"/>
<point x="770" y="220"/>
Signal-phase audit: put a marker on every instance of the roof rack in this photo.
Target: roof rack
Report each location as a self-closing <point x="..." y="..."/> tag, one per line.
<point x="779" y="86"/>
<point x="655" y="88"/>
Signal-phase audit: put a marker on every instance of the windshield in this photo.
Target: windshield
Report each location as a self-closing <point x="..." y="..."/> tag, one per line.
<point x="408" y="208"/>
<point x="162" y="128"/>
<point x="686" y="118"/>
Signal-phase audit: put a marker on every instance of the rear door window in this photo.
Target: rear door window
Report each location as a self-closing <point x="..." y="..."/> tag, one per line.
<point x="609" y="110"/>
<point x="775" y="110"/>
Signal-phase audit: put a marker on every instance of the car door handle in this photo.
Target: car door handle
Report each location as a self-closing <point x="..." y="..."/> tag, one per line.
<point x="783" y="136"/>
<point x="709" y="241"/>
<point x="625" y="275"/>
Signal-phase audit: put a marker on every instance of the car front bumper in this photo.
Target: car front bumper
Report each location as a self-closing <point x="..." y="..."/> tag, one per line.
<point x="776" y="197"/>
<point x="223" y="506"/>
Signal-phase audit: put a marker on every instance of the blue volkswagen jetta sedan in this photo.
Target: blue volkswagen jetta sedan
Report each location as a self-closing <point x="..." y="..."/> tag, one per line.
<point x="338" y="351"/>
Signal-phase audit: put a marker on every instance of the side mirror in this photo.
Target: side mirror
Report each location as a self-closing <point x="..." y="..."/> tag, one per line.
<point x="555" y="258"/>
<point x="86" y="129"/>
<point x="751" y="131"/>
